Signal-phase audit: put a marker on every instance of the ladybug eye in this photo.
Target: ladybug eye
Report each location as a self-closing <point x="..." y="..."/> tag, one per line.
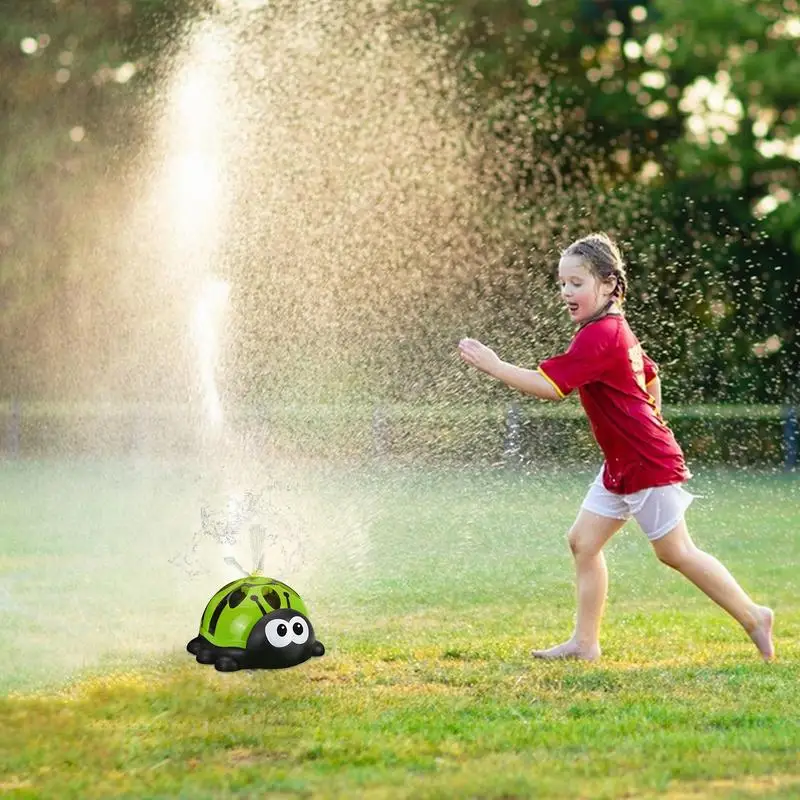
<point x="300" y="630"/>
<point x="277" y="632"/>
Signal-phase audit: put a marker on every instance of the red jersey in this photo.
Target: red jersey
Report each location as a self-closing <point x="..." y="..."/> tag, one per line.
<point x="607" y="366"/>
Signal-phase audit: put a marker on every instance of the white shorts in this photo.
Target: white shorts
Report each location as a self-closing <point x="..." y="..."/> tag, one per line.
<point x="657" y="510"/>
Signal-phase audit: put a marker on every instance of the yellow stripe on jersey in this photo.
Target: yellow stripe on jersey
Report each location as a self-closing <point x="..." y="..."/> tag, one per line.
<point x="551" y="382"/>
<point x="651" y="401"/>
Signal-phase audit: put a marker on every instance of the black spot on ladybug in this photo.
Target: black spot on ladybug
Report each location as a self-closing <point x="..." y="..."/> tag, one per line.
<point x="272" y="597"/>
<point x="236" y="597"/>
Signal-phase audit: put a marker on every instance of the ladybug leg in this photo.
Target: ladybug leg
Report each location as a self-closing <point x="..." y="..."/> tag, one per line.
<point x="226" y="664"/>
<point x="196" y="645"/>
<point x="318" y="649"/>
<point x="205" y="656"/>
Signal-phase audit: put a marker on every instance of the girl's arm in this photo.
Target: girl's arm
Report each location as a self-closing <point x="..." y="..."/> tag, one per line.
<point x="486" y="360"/>
<point x="654" y="387"/>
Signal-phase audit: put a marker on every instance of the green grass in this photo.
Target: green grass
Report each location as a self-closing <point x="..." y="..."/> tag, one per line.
<point x="428" y="588"/>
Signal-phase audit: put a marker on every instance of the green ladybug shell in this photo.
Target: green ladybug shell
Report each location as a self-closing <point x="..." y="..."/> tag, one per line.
<point x="233" y="611"/>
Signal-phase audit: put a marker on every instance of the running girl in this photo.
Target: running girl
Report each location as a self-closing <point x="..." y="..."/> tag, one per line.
<point x="644" y="467"/>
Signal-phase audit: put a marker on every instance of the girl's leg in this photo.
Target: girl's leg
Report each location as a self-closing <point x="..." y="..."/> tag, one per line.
<point x="678" y="551"/>
<point x="586" y="540"/>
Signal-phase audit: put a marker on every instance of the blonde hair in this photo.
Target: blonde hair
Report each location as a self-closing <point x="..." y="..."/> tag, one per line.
<point x="602" y="256"/>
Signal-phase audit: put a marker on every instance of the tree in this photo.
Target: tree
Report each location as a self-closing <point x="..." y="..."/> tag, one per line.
<point x="679" y="127"/>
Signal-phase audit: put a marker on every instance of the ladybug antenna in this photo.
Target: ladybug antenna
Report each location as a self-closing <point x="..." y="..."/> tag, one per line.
<point x="258" y="603"/>
<point x="288" y="603"/>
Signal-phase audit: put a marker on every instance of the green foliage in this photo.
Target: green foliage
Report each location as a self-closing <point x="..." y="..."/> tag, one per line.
<point x="676" y="128"/>
<point x="747" y="55"/>
<point x="686" y="120"/>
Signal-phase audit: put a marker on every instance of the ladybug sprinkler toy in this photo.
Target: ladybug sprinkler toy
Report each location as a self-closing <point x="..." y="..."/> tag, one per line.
<point x="255" y="623"/>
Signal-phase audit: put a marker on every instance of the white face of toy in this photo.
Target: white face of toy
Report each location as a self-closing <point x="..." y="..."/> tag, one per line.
<point x="282" y="632"/>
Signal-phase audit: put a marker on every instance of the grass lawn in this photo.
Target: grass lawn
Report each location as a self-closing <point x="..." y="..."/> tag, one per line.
<point x="428" y="588"/>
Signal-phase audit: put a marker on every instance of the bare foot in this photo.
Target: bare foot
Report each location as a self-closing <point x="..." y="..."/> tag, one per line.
<point x="570" y="649"/>
<point x="762" y="633"/>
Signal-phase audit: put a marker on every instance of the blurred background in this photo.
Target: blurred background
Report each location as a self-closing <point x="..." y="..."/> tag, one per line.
<point x="287" y="214"/>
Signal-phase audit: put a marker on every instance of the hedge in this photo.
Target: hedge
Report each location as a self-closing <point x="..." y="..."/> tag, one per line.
<point x="529" y="432"/>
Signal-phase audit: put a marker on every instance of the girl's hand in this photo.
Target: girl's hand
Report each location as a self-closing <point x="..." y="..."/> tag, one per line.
<point x="479" y="356"/>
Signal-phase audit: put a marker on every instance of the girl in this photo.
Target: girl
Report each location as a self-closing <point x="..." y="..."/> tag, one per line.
<point x="644" y="467"/>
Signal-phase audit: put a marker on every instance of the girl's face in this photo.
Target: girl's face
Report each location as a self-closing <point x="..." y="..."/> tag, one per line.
<point x="583" y="292"/>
